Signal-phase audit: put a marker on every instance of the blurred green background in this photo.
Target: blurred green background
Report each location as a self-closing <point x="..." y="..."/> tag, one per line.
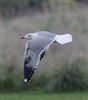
<point x="65" y="67"/>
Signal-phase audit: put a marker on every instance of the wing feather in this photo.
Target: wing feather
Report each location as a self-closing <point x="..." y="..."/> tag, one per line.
<point x="33" y="51"/>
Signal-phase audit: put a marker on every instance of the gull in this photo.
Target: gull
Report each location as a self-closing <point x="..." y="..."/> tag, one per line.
<point x="37" y="45"/>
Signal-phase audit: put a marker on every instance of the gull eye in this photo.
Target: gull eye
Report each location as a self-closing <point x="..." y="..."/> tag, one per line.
<point x="28" y="35"/>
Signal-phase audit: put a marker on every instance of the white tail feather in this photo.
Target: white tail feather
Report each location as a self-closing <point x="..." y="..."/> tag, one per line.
<point x="63" y="39"/>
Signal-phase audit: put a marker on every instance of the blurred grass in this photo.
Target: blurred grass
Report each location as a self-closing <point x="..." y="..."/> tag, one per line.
<point x="44" y="96"/>
<point x="11" y="8"/>
<point x="68" y="77"/>
<point x="68" y="61"/>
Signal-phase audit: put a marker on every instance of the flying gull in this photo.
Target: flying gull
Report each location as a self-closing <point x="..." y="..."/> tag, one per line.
<point x="37" y="45"/>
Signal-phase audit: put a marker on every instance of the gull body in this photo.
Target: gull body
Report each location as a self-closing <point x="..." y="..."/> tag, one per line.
<point x="37" y="45"/>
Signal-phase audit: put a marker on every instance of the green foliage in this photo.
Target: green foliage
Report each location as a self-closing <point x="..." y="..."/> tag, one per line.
<point x="69" y="77"/>
<point x="15" y="7"/>
<point x="19" y="7"/>
<point x="73" y="76"/>
<point x="44" y="96"/>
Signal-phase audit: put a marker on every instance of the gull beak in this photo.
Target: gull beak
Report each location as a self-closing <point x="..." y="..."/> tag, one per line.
<point x="22" y="37"/>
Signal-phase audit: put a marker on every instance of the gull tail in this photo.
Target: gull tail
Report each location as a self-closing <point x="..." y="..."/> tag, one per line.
<point x="63" y="39"/>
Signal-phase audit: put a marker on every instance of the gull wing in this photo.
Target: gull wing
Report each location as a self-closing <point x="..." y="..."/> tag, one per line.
<point x="38" y="43"/>
<point x="33" y="50"/>
<point x="46" y="34"/>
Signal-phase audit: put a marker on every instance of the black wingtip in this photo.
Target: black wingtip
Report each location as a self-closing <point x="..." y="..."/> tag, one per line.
<point x="28" y="73"/>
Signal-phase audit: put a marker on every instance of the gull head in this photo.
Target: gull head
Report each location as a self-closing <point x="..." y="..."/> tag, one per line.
<point x="28" y="36"/>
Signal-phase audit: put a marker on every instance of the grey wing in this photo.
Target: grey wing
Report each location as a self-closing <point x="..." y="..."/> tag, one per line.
<point x="32" y="55"/>
<point x="30" y="58"/>
<point x="34" y="48"/>
<point x="29" y="64"/>
<point x="38" y="43"/>
<point x="46" y="34"/>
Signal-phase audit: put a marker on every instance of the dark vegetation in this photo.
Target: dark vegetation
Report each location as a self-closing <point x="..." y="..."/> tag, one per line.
<point x="70" y="75"/>
<point x="12" y="8"/>
<point x="21" y="7"/>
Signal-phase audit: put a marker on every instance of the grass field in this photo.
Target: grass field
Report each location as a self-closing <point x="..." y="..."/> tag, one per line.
<point x="44" y="96"/>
